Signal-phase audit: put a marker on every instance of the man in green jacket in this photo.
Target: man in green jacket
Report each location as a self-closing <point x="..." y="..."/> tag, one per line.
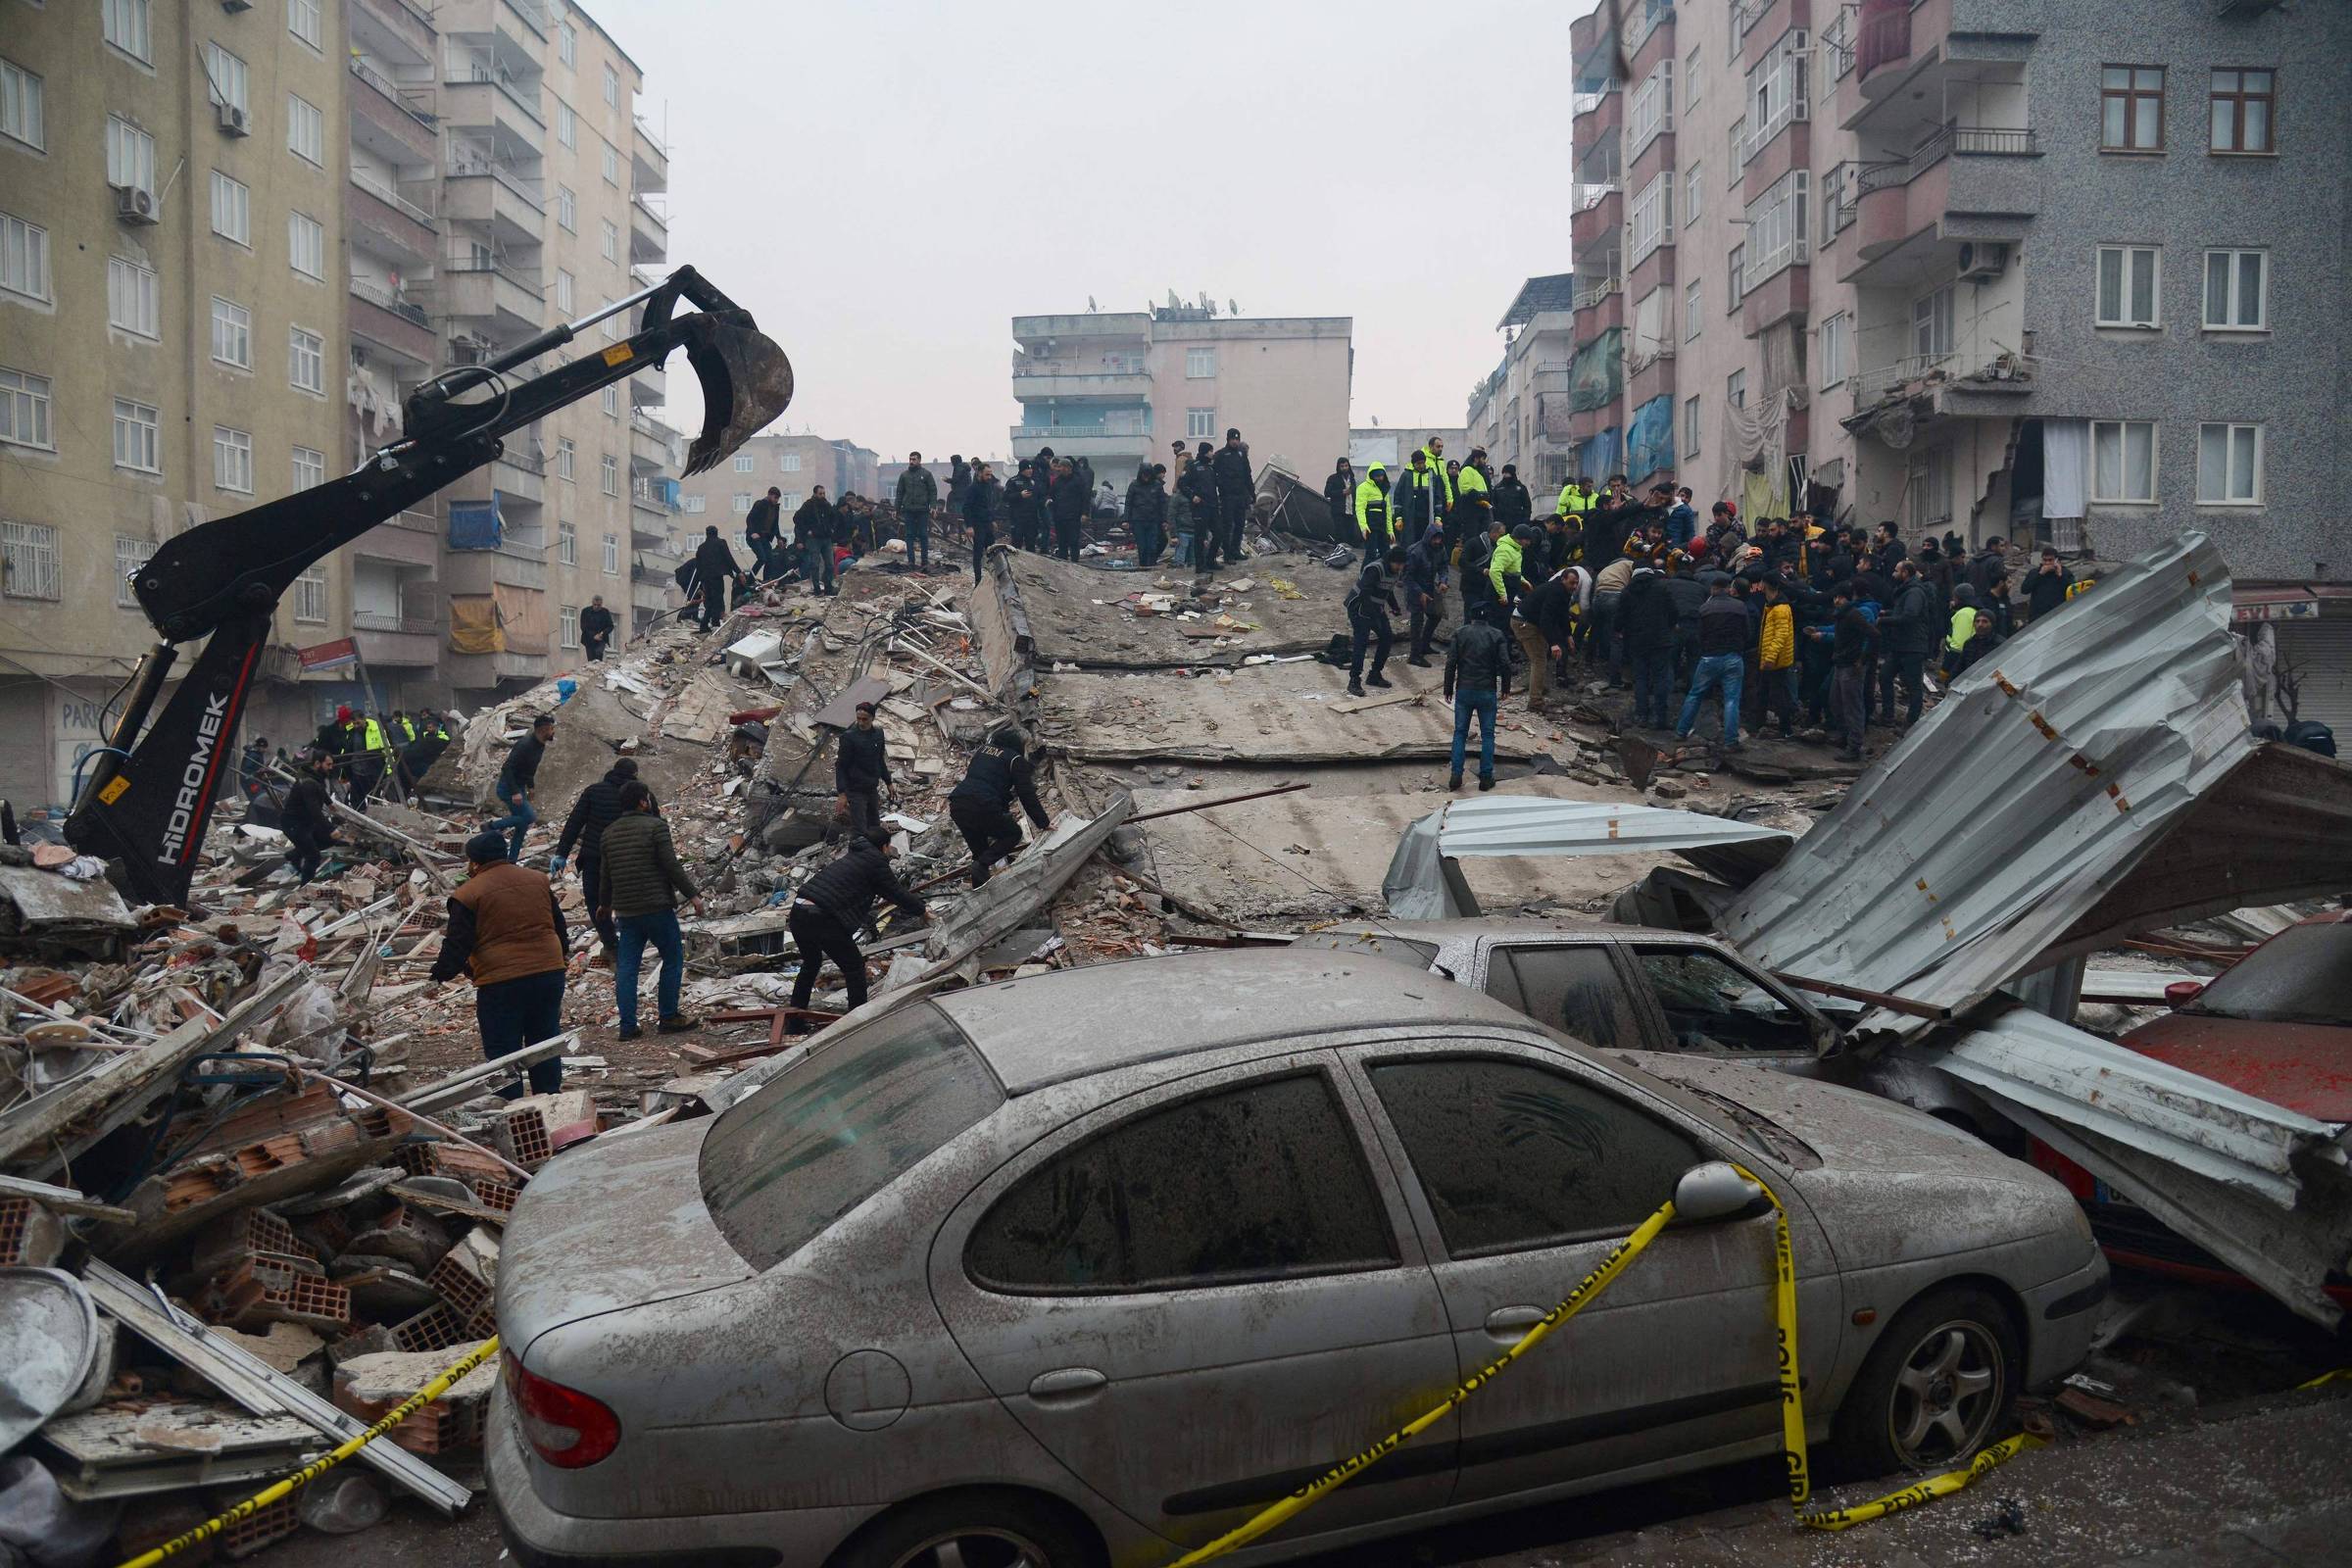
<point x="642" y="884"/>
<point x="916" y="493"/>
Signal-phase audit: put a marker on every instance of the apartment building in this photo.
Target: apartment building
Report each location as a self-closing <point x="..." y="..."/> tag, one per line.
<point x="1520" y="411"/>
<point x="794" y="464"/>
<point x="2042" y="268"/>
<point x="1115" y="387"/>
<point x="171" y="332"/>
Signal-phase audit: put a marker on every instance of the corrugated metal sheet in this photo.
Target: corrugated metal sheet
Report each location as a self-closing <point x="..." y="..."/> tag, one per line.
<point x="1416" y="887"/>
<point x="2045" y="775"/>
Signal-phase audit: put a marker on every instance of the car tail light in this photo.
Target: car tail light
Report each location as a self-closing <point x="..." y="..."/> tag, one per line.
<point x="567" y="1428"/>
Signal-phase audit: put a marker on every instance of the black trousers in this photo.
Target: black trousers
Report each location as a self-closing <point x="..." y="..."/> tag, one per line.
<point x="1908" y="668"/>
<point x="865" y="811"/>
<point x="1232" y="510"/>
<point x="1426" y="610"/>
<point x="819" y="936"/>
<point x="304" y="852"/>
<point x="988" y="832"/>
<point x="981" y="538"/>
<point x="1373" y="631"/>
<point x="1066" y="537"/>
<point x="592" y="886"/>
<point x="364" y="780"/>
<point x="519" y="1013"/>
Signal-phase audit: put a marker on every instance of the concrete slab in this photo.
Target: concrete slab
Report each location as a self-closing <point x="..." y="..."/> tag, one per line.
<point x="1070" y="627"/>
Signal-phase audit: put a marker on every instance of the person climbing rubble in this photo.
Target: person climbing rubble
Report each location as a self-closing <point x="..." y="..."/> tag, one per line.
<point x="831" y="908"/>
<point x="643" y="883"/>
<point x="981" y="805"/>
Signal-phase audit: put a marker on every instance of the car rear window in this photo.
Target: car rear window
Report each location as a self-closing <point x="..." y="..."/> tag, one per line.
<point x="2301" y="975"/>
<point x="784" y="1164"/>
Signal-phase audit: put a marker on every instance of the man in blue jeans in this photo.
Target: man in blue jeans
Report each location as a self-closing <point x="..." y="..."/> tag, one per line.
<point x="1478" y="676"/>
<point x="515" y="781"/>
<point x="1724" y="631"/>
<point x="507" y="933"/>
<point x="642" y="884"/>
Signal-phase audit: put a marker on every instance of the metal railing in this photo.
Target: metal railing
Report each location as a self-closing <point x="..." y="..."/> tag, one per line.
<point x="490" y="263"/>
<point x="1647" y="17"/>
<point x="528" y="462"/>
<point x="403" y="98"/>
<point x="659" y="148"/>
<point x="382" y="621"/>
<point x="646" y="493"/>
<point x="1994" y="141"/>
<point x="478" y="74"/>
<point x="1871" y="385"/>
<point x="1590" y="193"/>
<point x="383" y="299"/>
<point x="1591" y="294"/>
<point x="1745" y="14"/>
<point x="414" y="521"/>
<point x="461" y="167"/>
<point x="661" y="220"/>
<point x="392" y="198"/>
<point x="533" y="15"/>
<point x="1584" y="103"/>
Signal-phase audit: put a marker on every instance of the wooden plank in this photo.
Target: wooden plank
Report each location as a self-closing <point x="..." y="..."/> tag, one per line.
<point x="842" y="712"/>
<point x="1387" y="699"/>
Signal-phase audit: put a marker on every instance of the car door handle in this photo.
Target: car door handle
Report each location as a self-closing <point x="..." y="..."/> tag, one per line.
<point x="1508" y="1323"/>
<point x="1067" y="1383"/>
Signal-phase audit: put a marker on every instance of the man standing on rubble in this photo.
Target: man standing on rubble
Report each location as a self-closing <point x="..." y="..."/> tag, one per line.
<point x="1200" y="486"/>
<point x="981" y="805"/>
<point x="1909" y="626"/>
<point x="980" y="515"/>
<point x="1148" y="514"/>
<point x="364" y="749"/>
<point x="506" y="932"/>
<point x="714" y="569"/>
<point x="517" y="779"/>
<point x="1339" y="496"/>
<point x="598" y="809"/>
<point x="917" y="491"/>
<point x="1024" y="502"/>
<point x="1237" y="488"/>
<point x="1852" y="639"/>
<point x="959" y="480"/>
<point x="1073" y="494"/>
<point x="1512" y="504"/>
<point x="762" y="529"/>
<point x="304" y="820"/>
<point x="1370" y="603"/>
<point x="1373" y="517"/>
<point x="835" y="902"/>
<point x="862" y="772"/>
<point x="1478" y="677"/>
<point x="813" y="531"/>
<point x="1424" y="593"/>
<point x="596" y="631"/>
<point x="417" y="758"/>
<point x="642" y="885"/>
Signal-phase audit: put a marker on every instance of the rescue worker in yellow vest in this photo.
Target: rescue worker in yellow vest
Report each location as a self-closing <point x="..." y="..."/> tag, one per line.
<point x="1441" y="483"/>
<point x="1576" y="498"/>
<point x="1372" y="512"/>
<point x="363" y="756"/>
<point x="1472" y="480"/>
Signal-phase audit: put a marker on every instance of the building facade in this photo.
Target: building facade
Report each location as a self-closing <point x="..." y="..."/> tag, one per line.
<point x="794" y="464"/>
<point x="2053" y="270"/>
<point x="1520" y="412"/>
<point x="1118" y="387"/>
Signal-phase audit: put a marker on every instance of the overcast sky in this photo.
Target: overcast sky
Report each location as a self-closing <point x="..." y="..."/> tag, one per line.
<point x="886" y="184"/>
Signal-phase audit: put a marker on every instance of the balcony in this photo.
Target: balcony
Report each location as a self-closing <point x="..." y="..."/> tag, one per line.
<point x="393" y="120"/>
<point x="1097" y="446"/>
<point x="1937" y="386"/>
<point x="1076" y="381"/>
<point x="484" y="192"/>
<point x="1964" y="182"/>
<point x="1640" y="18"/>
<point x="649" y="388"/>
<point x="653" y="498"/>
<point x="520" y="476"/>
<point x="503" y="110"/>
<point x="401" y="24"/>
<point x="411" y="539"/>
<point x="649" y="231"/>
<point x="1781" y="288"/>
<point x="392" y="224"/>
<point x="396" y="642"/>
<point x="649" y="160"/>
<point x="399" y="327"/>
<point x="652" y="444"/>
<point x="507" y="299"/>
<point x="514" y="563"/>
<point x="1590" y="226"/>
<point x="1593" y="292"/>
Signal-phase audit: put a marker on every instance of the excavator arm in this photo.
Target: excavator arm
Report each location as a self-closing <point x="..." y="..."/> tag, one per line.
<point x="150" y="794"/>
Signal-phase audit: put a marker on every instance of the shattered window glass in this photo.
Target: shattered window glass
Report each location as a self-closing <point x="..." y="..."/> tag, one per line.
<point x="1259" y="1183"/>
<point x="1575" y="990"/>
<point x="1711" y="1005"/>
<point x="2301" y="975"/>
<point x="788" y="1161"/>
<point x="1515" y="1157"/>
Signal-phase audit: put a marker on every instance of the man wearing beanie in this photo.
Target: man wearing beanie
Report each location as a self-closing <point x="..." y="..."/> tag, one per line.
<point x="506" y="932"/>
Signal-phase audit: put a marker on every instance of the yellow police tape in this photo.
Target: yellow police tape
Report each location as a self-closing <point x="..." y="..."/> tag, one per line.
<point x="317" y="1467"/>
<point x="1793" y="1409"/>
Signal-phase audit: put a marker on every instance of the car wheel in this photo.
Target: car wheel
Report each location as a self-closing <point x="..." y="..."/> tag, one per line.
<point x="974" y="1529"/>
<point x="1935" y="1388"/>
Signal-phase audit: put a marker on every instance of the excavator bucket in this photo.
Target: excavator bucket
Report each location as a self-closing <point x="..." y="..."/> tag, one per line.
<point x="747" y="382"/>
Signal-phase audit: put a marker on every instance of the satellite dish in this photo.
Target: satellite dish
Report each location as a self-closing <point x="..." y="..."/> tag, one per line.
<point x="1232" y="308"/>
<point x="1091" y="307"/>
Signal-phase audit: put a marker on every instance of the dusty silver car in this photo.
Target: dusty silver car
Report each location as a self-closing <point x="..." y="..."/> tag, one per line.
<point x="1091" y="1266"/>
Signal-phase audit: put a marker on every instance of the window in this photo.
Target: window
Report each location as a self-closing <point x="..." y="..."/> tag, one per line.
<point x="1691" y="299"/>
<point x="1690" y="80"/>
<point x="310" y="469"/>
<point x="2229" y="465"/>
<point x="1711" y="1006"/>
<point x="567" y="544"/>
<point x="1652" y="110"/>
<point x="2129" y="285"/>
<point x="567" y="128"/>
<point x="1835" y="353"/>
<point x="746" y="462"/>
<point x="1198" y="422"/>
<point x="1776" y="91"/>
<point x="233" y="334"/>
<point x="565" y="450"/>
<point x="138" y="436"/>
<point x="1651" y="224"/>
<point x="2237" y="291"/>
<point x="743" y="503"/>
<point x="611" y="555"/>
<point x="1515" y="1157"/>
<point x="1734" y="389"/>
<point x="224" y="73"/>
<point x="695" y="504"/>
<point x="2123" y="461"/>
<point x="1690" y="429"/>
<point x="1932" y="324"/>
<point x="22" y="111"/>
<point x="1778" y="226"/>
<point x="309" y="596"/>
<point x="1691" y="192"/>
<point x="2131" y="109"/>
<point x="1200" y="363"/>
<point x="1737" y="151"/>
<point x="24" y="409"/>
<point x="29" y="555"/>
<point x="567" y="43"/>
<point x="611" y="165"/>
<point x="232" y="460"/>
<point x="568" y="208"/>
<point x="305" y="131"/>
<point x="232" y="209"/>
<point x="306" y="360"/>
<point x="23" y="257"/>
<point x="306" y="245"/>
<point x="303" y="21"/>
<point x="609" y="474"/>
<point x="610" y="243"/>
<point x="2241" y="112"/>
<point x="846" y="1123"/>
<point x="125" y="25"/>
<point x="611" y="86"/>
<point x="130" y="297"/>
<point x="1737" y="274"/>
<point x="609" y="401"/>
<point x="1261" y="1181"/>
<point x="1575" y="990"/>
<point x="569" y="625"/>
<point x="564" y="287"/>
<point x="129" y="556"/>
<point x="129" y="154"/>
<point x="791" y="462"/>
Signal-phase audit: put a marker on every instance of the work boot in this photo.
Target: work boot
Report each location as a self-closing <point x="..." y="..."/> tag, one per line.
<point x="1454" y="781"/>
<point x="1486" y="781"/>
<point x="1376" y="678"/>
<point x="1418" y="663"/>
<point x="1355" y="687"/>
<point x="629" y="1034"/>
<point x="682" y="1023"/>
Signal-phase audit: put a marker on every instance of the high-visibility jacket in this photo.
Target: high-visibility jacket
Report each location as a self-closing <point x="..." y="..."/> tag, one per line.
<point x="365" y="735"/>
<point x="1574" y="500"/>
<point x="1372" y="505"/>
<point x="1440" y="487"/>
<point x="407" y="728"/>
<point x="1471" y="481"/>
<point x="1506" y="561"/>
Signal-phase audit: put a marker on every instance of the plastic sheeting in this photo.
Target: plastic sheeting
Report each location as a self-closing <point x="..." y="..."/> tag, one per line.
<point x="522" y="612"/>
<point x="1596" y="456"/>
<point x="1649" y="438"/>
<point x="1596" y="376"/>
<point x="1418" y="887"/>
<point x="475" y="525"/>
<point x="473" y="624"/>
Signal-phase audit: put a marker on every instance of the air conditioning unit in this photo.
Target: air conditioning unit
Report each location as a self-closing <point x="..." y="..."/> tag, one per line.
<point x="135" y="203"/>
<point x="1982" y="260"/>
<point x="234" y="120"/>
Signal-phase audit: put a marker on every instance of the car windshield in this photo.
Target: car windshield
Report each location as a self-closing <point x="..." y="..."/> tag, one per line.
<point x="2301" y="975"/>
<point x="838" y="1128"/>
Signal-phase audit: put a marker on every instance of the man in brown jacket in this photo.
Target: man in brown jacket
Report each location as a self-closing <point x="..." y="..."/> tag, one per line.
<point x="506" y="932"/>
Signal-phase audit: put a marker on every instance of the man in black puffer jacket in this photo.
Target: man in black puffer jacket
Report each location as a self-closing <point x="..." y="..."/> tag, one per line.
<point x="1478" y="677"/>
<point x="1148" y="514"/>
<point x="861" y="768"/>
<point x="981" y="806"/>
<point x="832" y="906"/>
<point x="597" y="808"/>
